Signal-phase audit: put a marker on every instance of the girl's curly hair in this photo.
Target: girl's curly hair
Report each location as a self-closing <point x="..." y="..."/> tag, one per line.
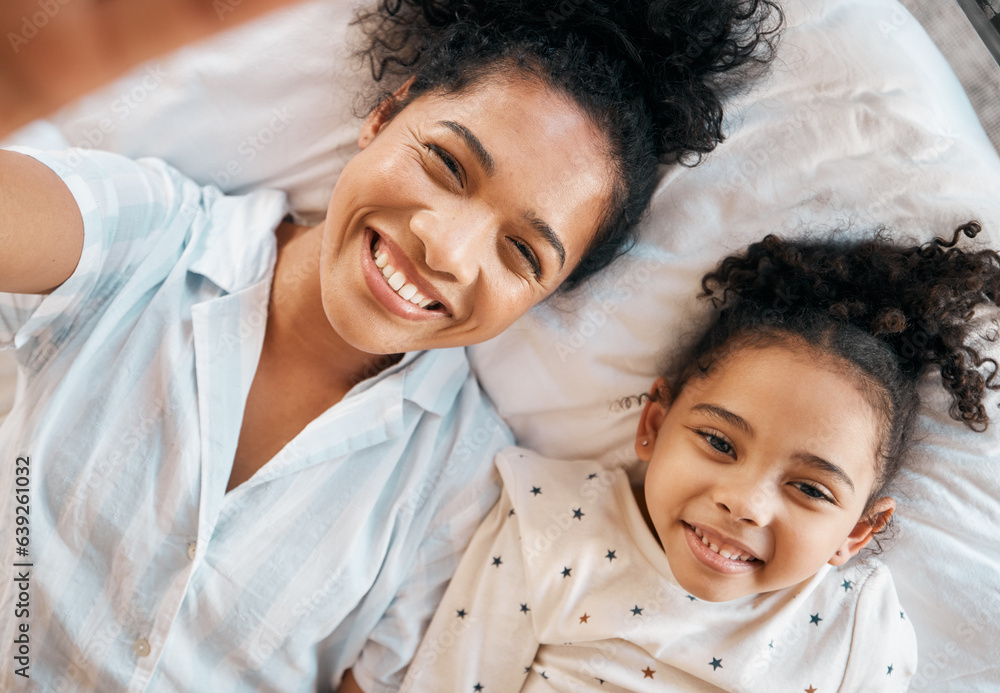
<point x="885" y="312"/>
<point x="651" y="74"/>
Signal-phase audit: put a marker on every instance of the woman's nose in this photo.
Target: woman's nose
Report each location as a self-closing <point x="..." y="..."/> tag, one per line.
<point x="455" y="242"/>
<point x="746" y="500"/>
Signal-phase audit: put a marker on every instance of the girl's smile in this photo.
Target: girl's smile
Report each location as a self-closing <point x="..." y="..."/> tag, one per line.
<point x="719" y="552"/>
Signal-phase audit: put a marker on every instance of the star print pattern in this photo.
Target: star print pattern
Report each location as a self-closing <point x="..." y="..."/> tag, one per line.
<point x="586" y="595"/>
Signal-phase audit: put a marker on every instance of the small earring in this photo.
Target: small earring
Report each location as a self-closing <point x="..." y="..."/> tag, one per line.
<point x="838" y="553"/>
<point x="645" y="443"/>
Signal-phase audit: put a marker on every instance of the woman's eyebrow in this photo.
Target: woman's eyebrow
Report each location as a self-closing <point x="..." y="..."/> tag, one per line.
<point x="548" y="235"/>
<point x="483" y="156"/>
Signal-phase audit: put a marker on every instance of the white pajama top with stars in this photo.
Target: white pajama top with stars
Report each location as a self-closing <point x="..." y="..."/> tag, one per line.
<point x="564" y="588"/>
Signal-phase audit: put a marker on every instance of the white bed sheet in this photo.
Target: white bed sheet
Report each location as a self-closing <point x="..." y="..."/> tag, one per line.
<point x="860" y="123"/>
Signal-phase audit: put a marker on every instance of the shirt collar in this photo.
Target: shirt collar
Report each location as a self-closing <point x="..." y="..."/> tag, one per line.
<point x="235" y="242"/>
<point x="429" y="379"/>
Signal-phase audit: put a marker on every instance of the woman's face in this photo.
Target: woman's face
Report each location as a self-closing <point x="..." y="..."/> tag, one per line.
<point x="476" y="205"/>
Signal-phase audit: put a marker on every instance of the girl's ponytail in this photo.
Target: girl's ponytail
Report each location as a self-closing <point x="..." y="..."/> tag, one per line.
<point x="885" y="312"/>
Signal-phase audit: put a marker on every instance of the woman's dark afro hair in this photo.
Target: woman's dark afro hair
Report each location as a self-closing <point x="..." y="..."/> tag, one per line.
<point x="652" y="75"/>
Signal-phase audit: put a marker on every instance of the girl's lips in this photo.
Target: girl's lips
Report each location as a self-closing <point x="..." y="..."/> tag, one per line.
<point x="710" y="559"/>
<point x="384" y="294"/>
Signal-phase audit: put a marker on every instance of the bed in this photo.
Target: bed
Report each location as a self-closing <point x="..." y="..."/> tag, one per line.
<point x="860" y="123"/>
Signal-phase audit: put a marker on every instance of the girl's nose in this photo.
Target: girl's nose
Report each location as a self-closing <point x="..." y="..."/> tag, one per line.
<point x="746" y="500"/>
<point x="455" y="242"/>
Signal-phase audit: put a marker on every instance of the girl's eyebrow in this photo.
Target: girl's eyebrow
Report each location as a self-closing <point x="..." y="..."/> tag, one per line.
<point x="484" y="158"/>
<point x="823" y="465"/>
<point x="725" y="415"/>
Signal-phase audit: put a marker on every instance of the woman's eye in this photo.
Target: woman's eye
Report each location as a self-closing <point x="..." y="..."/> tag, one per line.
<point x="812" y="492"/>
<point x="529" y="256"/>
<point x="448" y="160"/>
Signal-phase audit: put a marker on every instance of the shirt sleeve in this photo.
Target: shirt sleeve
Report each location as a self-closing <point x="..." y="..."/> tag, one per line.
<point x="136" y="218"/>
<point x="883" y="654"/>
<point x="482" y="636"/>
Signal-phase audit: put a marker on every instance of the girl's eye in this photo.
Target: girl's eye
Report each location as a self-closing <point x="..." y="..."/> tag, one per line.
<point x="448" y="160"/>
<point x="718" y="442"/>
<point x="529" y="256"/>
<point x="812" y="492"/>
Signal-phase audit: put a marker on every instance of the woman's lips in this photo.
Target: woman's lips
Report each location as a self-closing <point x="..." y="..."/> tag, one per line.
<point x="386" y="294"/>
<point x="709" y="558"/>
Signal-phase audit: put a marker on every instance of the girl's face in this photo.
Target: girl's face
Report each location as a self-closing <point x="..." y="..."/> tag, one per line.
<point x="770" y="459"/>
<point x="481" y="203"/>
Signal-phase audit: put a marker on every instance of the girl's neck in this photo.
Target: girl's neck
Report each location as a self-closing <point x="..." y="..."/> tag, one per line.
<point x="299" y="335"/>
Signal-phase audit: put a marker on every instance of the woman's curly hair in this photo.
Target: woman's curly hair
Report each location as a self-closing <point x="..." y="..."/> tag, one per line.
<point x="651" y="74"/>
<point x="885" y="312"/>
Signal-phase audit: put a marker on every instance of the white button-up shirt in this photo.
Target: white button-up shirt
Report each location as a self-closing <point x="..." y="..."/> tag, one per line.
<point x="145" y="574"/>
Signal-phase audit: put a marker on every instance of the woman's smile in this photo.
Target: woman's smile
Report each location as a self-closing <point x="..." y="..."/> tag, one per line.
<point x="395" y="282"/>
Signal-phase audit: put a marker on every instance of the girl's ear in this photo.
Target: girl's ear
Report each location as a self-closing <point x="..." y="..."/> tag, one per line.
<point x="382" y="114"/>
<point x="653" y="413"/>
<point x="865" y="530"/>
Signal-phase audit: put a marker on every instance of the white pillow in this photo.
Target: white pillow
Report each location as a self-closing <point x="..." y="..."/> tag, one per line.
<point x="861" y="122"/>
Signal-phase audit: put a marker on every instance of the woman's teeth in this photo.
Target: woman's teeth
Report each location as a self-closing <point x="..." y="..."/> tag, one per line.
<point x="397" y="281"/>
<point x="725" y="551"/>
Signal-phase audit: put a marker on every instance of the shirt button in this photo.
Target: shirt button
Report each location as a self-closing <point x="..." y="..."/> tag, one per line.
<point x="192" y="550"/>
<point x="141" y="647"/>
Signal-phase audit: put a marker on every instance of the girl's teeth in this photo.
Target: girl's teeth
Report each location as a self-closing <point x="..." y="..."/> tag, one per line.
<point x="388" y="271"/>
<point x="408" y="291"/>
<point x="381" y="260"/>
<point x="416" y="298"/>
<point x="724" y="552"/>
<point x="426" y="302"/>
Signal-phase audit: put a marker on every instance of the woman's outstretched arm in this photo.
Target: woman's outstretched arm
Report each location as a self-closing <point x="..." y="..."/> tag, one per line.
<point x="41" y="227"/>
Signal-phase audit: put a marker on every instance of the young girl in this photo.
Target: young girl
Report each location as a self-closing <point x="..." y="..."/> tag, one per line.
<point x="771" y="445"/>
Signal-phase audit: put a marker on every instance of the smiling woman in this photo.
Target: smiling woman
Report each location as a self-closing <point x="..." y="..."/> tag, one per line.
<point x="253" y="446"/>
